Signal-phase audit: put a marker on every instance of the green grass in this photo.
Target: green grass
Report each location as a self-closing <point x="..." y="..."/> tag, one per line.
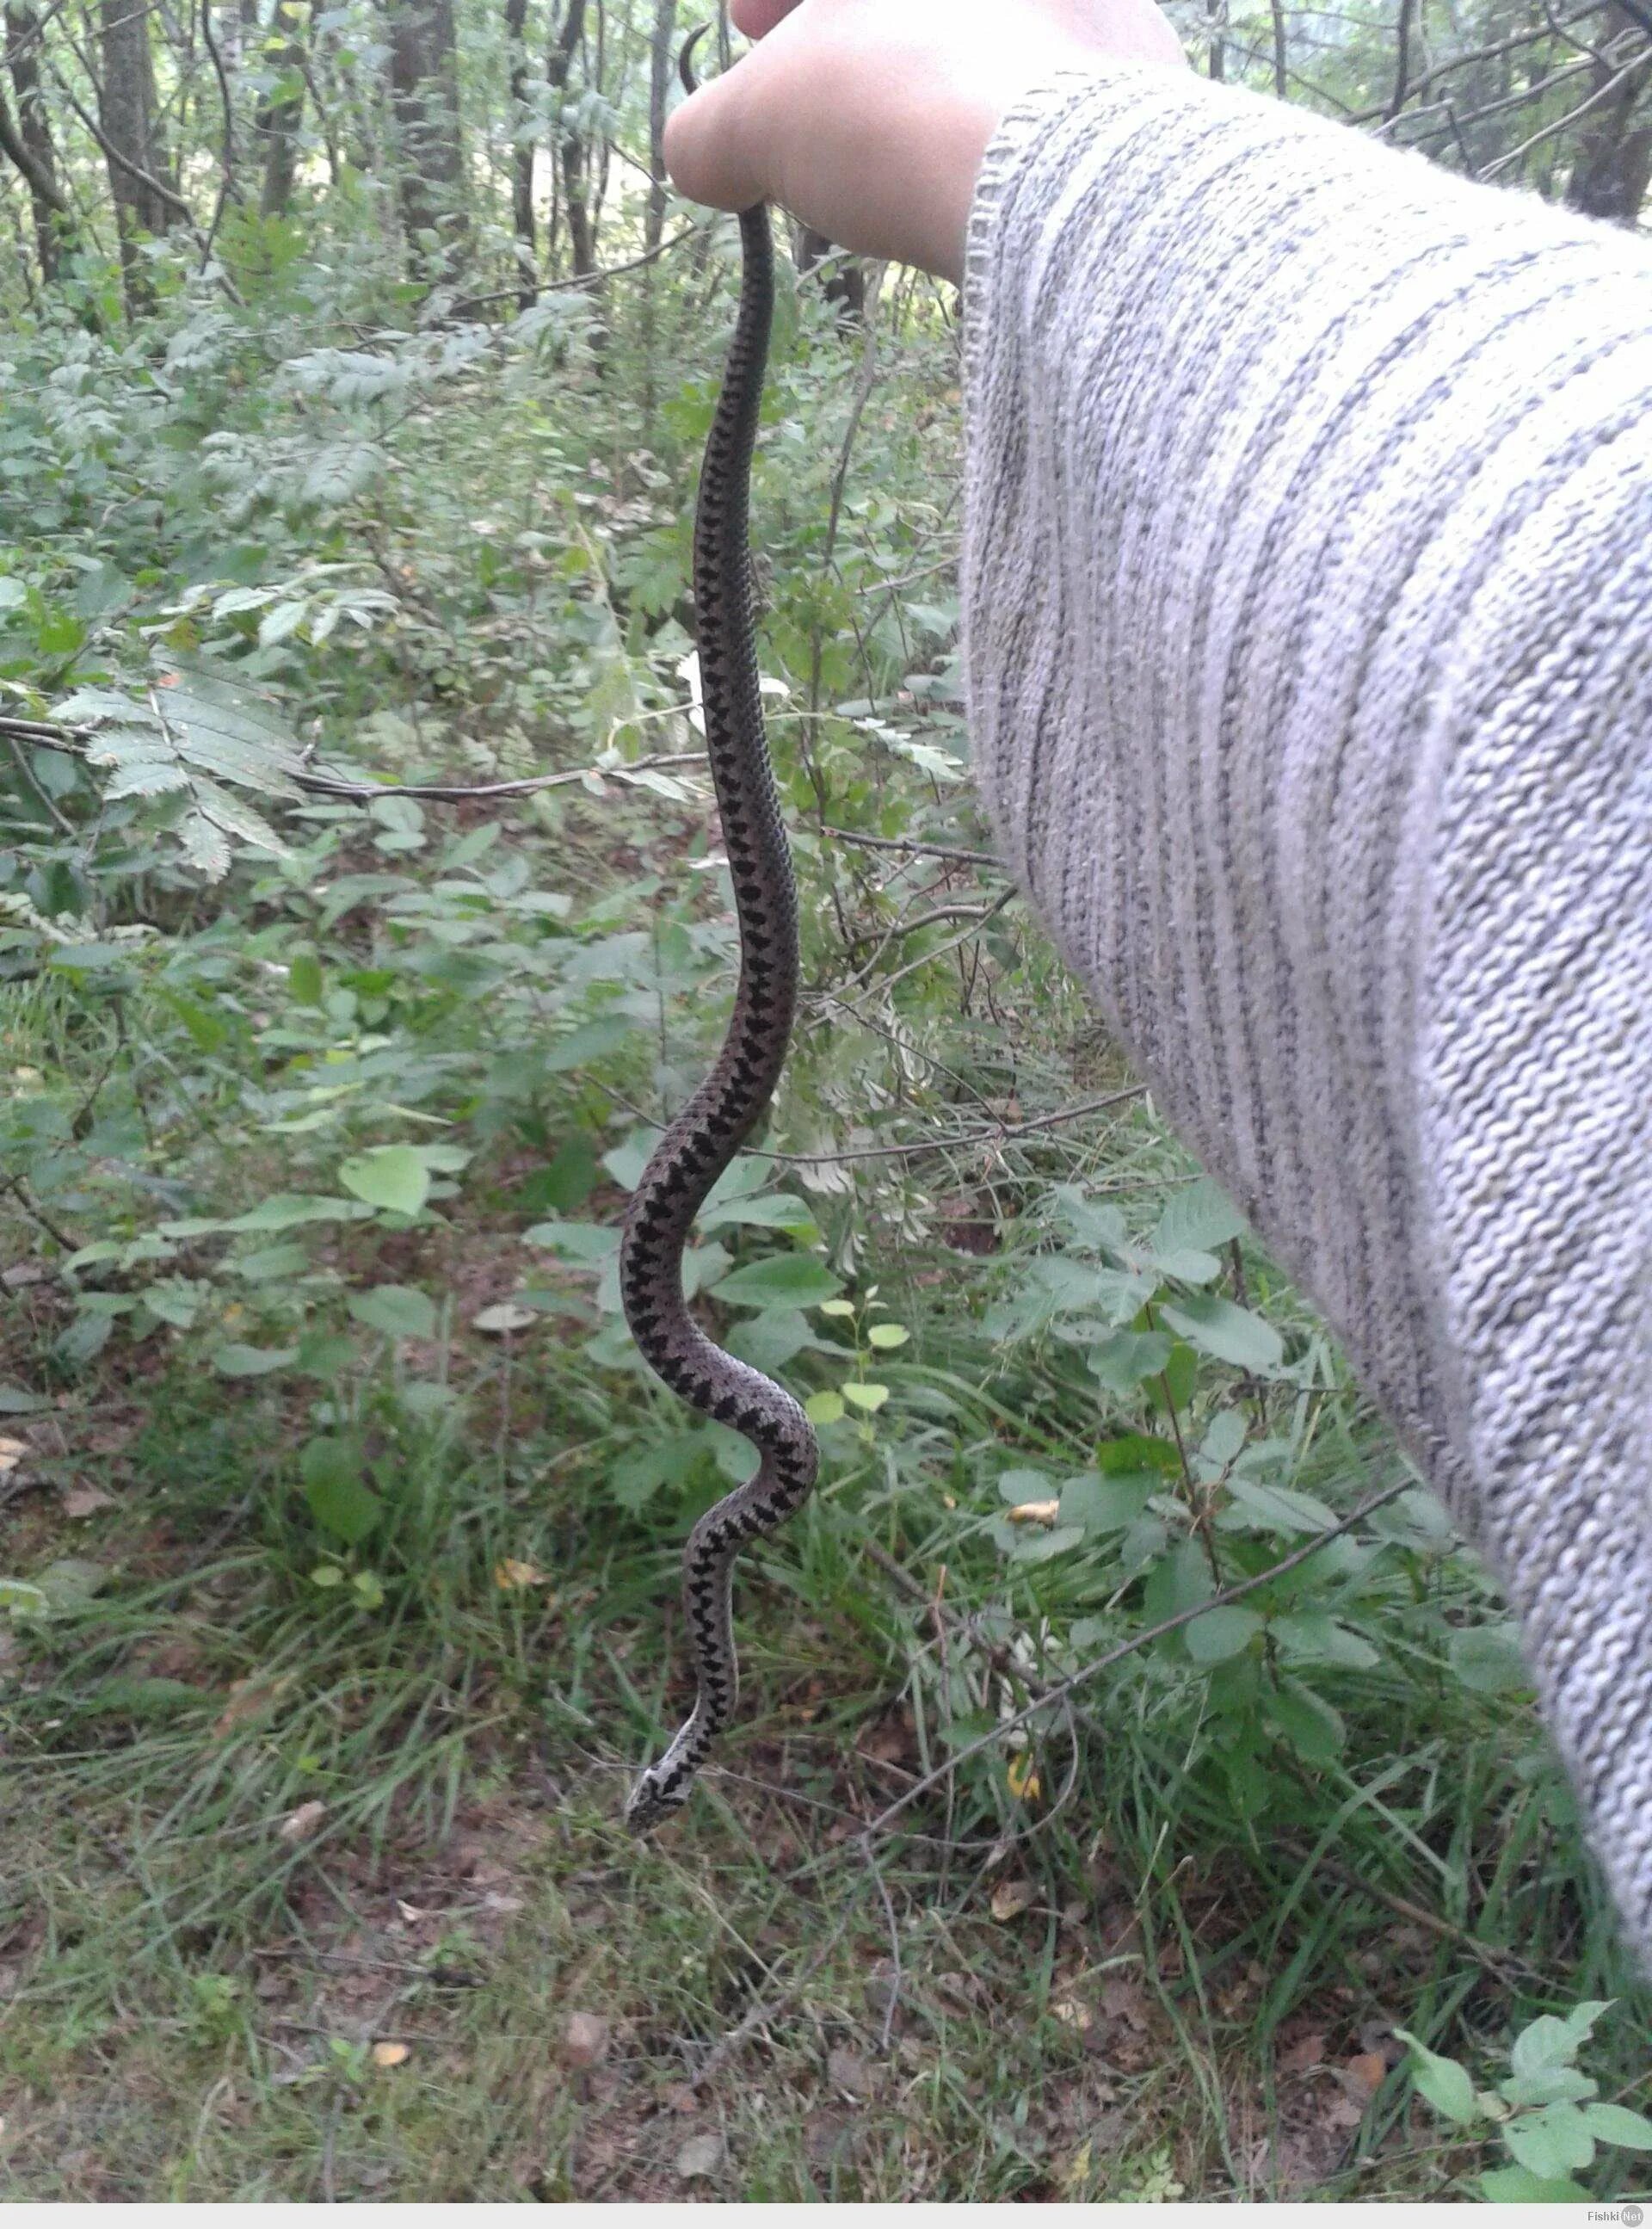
<point x="1108" y="1990"/>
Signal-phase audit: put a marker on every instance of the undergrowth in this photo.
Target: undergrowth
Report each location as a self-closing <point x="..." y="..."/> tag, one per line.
<point x="339" y="1523"/>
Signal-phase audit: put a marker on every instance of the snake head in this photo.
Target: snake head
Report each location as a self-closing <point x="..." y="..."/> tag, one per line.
<point x="654" y="1799"/>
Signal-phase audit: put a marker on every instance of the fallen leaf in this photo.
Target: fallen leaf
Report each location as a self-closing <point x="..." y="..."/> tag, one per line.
<point x="1124" y="1999"/>
<point x="413" y="1914"/>
<point x="585" y="2039"/>
<point x="303" y="1822"/>
<point x="1308" y="2050"/>
<point x="1034" y="1512"/>
<point x="698" y="2157"/>
<point x="849" y="2071"/>
<point x="1023" y="1777"/>
<point x="680" y="2099"/>
<point x="11" y="1454"/>
<point x="85" y="1500"/>
<point x="1342" y="2111"/>
<point x="504" y="1316"/>
<point x="248" y="1700"/>
<point x="389" y="2054"/>
<point x="1367" y="2073"/>
<point x="1010" y="1898"/>
<point x="1072" y="2014"/>
<point x="508" y="1574"/>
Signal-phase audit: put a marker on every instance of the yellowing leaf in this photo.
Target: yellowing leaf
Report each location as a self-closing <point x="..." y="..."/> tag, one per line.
<point x="508" y="1574"/>
<point x="389" y="2054"/>
<point x="1034" y="1512"/>
<point x="1023" y="1777"/>
<point x="1010" y="1898"/>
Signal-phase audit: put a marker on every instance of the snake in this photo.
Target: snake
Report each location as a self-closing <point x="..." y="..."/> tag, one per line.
<point x="716" y="1121"/>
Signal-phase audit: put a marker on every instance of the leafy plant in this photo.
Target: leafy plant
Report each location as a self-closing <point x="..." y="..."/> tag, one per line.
<point x="1547" y="2114"/>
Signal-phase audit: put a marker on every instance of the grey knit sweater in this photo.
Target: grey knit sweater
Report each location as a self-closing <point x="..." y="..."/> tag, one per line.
<point x="1309" y="641"/>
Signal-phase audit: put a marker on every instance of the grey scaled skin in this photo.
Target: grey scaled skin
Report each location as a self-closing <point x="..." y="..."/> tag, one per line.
<point x="723" y="1111"/>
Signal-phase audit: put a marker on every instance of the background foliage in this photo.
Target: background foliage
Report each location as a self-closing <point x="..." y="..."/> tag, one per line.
<point x="360" y="915"/>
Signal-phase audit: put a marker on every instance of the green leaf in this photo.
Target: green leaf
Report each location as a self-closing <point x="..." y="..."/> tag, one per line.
<point x="1515" y="2185"/>
<point x="1275" y="1509"/>
<point x="1196" y="1219"/>
<point x="783" y="1281"/>
<point x="1135" y="1453"/>
<point x="1550" y="2142"/>
<point x="340" y="1500"/>
<point x="888" y="1335"/>
<point x="870" y="1398"/>
<point x="396" y="1178"/>
<point x="1443" y="2082"/>
<point x="1311" y="1637"/>
<point x="303" y="979"/>
<point x="1121" y="1362"/>
<point x="1488" y="1660"/>
<point x="233" y="1360"/>
<point x="1618" y="2124"/>
<point x="1547" y="2042"/>
<point x="1018" y="1486"/>
<point x="71" y="1583"/>
<point x="1044" y="1547"/>
<point x="823" y="1408"/>
<point x="1222" y="1329"/>
<point x="1105" y="1505"/>
<point x="1221" y="1632"/>
<point x="775" y="1210"/>
<point x="399" y="1311"/>
<point x="14" y="1401"/>
<point x="1307" y="1722"/>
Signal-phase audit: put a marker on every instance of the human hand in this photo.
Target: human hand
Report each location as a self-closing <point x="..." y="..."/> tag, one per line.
<point x="868" y="119"/>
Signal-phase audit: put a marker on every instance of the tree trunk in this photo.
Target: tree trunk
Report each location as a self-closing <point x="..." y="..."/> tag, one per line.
<point x="136" y="159"/>
<point x="28" y="142"/>
<point x="659" y="95"/>
<point x="280" y="113"/>
<point x="521" y="157"/>
<point x="572" y="152"/>
<point x="425" y="102"/>
<point x="1613" y="167"/>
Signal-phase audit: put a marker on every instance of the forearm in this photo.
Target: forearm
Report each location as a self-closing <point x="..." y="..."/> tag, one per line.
<point x="1306" y="612"/>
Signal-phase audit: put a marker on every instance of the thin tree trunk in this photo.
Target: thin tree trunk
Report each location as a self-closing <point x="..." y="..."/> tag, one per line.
<point x="1613" y="168"/>
<point x="659" y="93"/>
<point x="135" y="157"/>
<point x="425" y="100"/>
<point x="32" y="137"/>
<point x="521" y="157"/>
<point x="1216" y="25"/>
<point x="280" y="113"/>
<point x="571" y="153"/>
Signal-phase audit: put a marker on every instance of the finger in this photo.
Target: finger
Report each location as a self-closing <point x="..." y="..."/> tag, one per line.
<point x="706" y="150"/>
<point x="756" y="18"/>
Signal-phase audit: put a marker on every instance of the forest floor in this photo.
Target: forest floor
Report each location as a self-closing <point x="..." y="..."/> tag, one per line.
<point x="339" y="1527"/>
<point x="450" y="1973"/>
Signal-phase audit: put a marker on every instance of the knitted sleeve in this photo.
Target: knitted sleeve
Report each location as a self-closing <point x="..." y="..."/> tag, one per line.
<point x="1308" y="645"/>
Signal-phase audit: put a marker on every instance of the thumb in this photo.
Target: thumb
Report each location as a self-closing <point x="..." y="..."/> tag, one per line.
<point x="707" y="145"/>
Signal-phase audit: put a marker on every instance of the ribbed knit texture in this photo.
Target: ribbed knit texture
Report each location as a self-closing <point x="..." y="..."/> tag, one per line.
<point x="1308" y="640"/>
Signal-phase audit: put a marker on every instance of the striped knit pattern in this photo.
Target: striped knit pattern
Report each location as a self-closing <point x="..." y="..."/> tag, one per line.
<point x="1309" y="639"/>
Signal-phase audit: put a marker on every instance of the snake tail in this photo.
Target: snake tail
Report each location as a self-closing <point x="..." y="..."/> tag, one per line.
<point x="722" y="1114"/>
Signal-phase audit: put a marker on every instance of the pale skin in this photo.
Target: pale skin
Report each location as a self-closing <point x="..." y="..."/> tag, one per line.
<point x="868" y="119"/>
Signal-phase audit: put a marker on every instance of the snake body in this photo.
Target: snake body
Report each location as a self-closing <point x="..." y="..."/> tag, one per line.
<point x="716" y="1121"/>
